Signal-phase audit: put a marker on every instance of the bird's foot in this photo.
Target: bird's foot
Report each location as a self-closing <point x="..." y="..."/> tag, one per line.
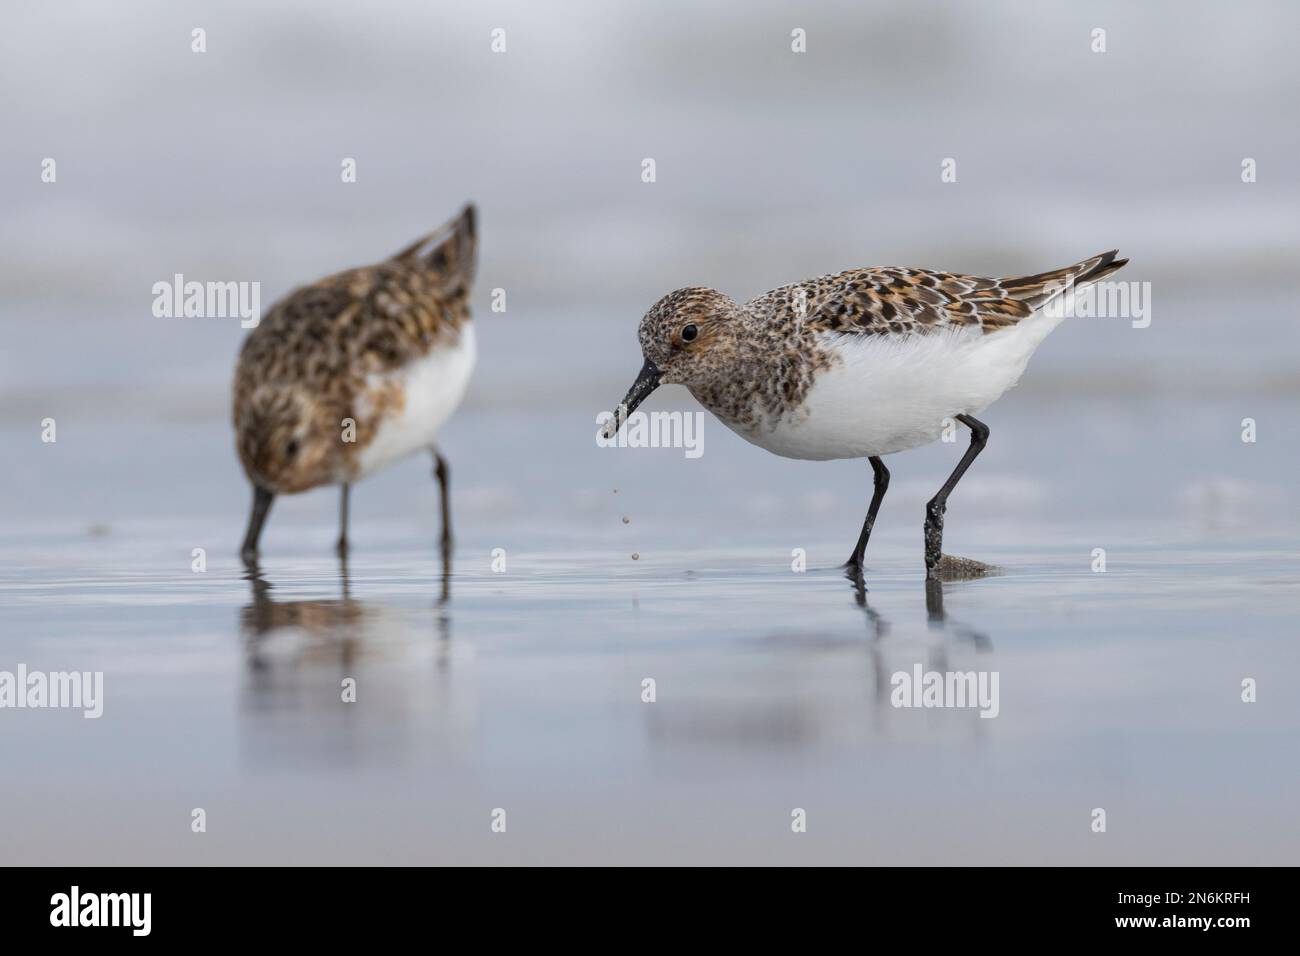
<point x="948" y="567"/>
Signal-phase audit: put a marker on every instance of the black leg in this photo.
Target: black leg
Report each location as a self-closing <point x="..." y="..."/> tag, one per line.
<point x="261" y="506"/>
<point x="882" y="485"/>
<point x="443" y="474"/>
<point x="979" y="436"/>
<point x="342" y="546"/>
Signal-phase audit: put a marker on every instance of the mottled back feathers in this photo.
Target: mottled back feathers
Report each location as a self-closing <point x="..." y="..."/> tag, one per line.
<point x="901" y="301"/>
<point x="371" y="319"/>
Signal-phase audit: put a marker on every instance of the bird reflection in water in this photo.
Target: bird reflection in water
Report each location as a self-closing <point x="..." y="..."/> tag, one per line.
<point x="937" y="618"/>
<point x="812" y="691"/>
<point x="287" y="640"/>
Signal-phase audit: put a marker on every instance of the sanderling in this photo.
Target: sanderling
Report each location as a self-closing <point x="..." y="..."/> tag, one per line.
<point x="351" y="373"/>
<point x="857" y="365"/>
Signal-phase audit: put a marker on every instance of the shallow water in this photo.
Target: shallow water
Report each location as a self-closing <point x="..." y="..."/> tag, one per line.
<point x="522" y="690"/>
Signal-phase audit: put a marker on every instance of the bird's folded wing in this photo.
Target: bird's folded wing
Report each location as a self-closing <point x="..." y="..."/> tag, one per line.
<point x="900" y="301"/>
<point x="373" y="319"/>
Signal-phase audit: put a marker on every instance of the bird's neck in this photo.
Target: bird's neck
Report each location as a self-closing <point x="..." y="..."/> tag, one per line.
<point x="758" y="385"/>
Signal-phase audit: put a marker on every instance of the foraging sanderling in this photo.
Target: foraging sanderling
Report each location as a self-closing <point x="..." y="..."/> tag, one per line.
<point x="860" y="364"/>
<point x="349" y="374"/>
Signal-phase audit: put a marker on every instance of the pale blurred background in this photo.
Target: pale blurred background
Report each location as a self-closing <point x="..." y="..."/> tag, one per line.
<point x="772" y="166"/>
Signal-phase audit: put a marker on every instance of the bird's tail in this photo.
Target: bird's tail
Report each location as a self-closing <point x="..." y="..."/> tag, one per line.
<point x="450" y="252"/>
<point x="1037" y="290"/>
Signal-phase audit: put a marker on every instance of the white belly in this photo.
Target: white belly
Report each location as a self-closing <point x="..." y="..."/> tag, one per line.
<point x="888" y="395"/>
<point x="433" y="387"/>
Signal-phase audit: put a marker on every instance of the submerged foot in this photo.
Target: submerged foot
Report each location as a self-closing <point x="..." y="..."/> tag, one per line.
<point x="949" y="567"/>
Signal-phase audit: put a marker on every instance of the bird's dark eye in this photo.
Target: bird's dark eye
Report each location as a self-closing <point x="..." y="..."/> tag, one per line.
<point x="689" y="333"/>
<point x="291" y="449"/>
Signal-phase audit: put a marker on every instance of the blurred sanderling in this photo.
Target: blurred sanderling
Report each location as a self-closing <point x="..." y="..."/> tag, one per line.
<point x="861" y="364"/>
<point x="349" y="374"/>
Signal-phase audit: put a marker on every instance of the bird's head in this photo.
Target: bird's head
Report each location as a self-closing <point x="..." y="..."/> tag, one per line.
<point x="285" y="440"/>
<point x="686" y="339"/>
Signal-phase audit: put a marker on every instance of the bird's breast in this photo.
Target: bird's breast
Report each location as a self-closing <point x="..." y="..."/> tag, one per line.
<point x="883" y="394"/>
<point x="403" y="410"/>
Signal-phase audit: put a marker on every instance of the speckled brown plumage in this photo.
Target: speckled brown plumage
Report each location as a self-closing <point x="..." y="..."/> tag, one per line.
<point x="319" y="356"/>
<point x="901" y="301"/>
<point x="754" y="363"/>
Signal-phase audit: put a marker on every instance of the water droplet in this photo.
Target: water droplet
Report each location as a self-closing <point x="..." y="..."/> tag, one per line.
<point x="636" y="556"/>
<point x="626" y="519"/>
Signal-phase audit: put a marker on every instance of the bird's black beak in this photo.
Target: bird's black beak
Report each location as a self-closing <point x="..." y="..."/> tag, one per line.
<point x="646" y="382"/>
